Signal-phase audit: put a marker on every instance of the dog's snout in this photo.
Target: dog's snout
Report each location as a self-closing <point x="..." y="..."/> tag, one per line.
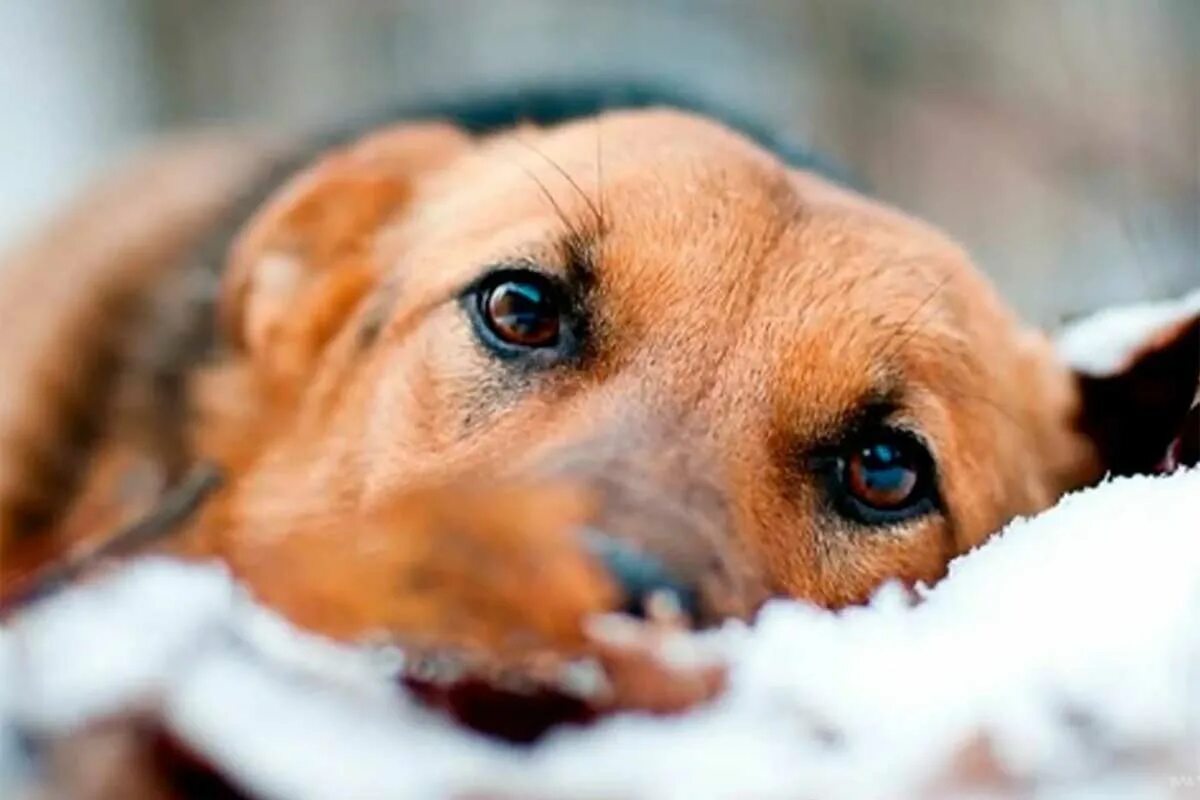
<point x="641" y="577"/>
<point x="662" y="522"/>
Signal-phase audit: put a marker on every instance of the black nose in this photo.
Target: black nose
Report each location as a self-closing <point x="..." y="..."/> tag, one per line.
<point x="640" y="576"/>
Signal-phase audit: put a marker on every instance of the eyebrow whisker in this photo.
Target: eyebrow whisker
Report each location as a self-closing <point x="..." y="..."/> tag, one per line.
<point x="595" y="210"/>
<point x="903" y="333"/>
<point x="599" y="172"/>
<point x="546" y="193"/>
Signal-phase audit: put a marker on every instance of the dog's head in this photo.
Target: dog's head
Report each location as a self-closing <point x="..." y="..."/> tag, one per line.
<point x="769" y="383"/>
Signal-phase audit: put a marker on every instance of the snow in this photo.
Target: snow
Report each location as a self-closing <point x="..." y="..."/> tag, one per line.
<point x="12" y="770"/>
<point x="1102" y="343"/>
<point x="96" y="648"/>
<point x="1069" y="645"/>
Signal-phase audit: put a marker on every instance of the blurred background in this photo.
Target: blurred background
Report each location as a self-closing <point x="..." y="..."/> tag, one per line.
<point x="1058" y="140"/>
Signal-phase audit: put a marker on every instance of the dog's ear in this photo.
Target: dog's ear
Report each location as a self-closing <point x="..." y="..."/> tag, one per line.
<point x="1137" y="372"/>
<point x="305" y="260"/>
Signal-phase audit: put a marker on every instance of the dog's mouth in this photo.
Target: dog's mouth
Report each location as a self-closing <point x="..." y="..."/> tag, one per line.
<point x="644" y="658"/>
<point x="511" y="705"/>
<point x="644" y="665"/>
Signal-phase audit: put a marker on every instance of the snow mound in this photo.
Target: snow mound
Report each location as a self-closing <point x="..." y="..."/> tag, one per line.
<point x="1061" y="659"/>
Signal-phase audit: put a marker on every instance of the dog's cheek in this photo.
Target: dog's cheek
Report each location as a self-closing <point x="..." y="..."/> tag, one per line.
<point x="474" y="391"/>
<point x="470" y="391"/>
<point x="858" y="562"/>
<point x="490" y="395"/>
<point x="433" y="393"/>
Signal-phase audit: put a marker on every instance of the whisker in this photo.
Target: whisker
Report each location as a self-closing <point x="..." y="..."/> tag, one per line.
<point x="566" y="176"/>
<point x="546" y="193"/>
<point x="906" y="329"/>
<point x="600" y="171"/>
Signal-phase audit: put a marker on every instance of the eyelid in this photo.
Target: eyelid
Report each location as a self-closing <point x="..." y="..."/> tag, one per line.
<point x="878" y="412"/>
<point x="906" y="426"/>
<point x="515" y="268"/>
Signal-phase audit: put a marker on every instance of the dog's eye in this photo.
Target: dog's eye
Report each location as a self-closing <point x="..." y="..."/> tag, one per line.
<point x="521" y="310"/>
<point x="881" y="475"/>
<point x="885" y="476"/>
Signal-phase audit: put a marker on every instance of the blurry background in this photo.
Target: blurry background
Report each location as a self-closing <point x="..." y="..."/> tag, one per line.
<point x="1059" y="140"/>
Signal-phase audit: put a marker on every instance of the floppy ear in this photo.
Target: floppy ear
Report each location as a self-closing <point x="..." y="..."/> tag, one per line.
<point x="305" y="260"/>
<point x="1138" y="375"/>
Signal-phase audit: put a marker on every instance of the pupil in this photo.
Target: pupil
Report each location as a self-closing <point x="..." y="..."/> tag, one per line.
<point x="884" y="470"/>
<point x="521" y="313"/>
<point x="520" y="304"/>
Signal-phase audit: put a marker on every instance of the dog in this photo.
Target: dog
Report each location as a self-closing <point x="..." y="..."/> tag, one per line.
<point x="474" y="376"/>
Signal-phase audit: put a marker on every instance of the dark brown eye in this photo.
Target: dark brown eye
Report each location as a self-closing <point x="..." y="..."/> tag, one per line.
<point x="522" y="312"/>
<point x="885" y="476"/>
<point x="881" y="475"/>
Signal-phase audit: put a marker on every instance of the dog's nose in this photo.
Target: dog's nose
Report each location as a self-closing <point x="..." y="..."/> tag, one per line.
<point x="641" y="576"/>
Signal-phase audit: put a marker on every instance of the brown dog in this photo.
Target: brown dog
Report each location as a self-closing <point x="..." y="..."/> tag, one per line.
<point x="473" y="388"/>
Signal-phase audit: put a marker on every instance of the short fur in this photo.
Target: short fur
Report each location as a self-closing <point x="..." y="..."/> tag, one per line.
<point x="386" y="475"/>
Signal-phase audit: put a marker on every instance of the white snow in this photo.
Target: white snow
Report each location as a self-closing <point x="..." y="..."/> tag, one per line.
<point x="99" y="647"/>
<point x="1102" y="343"/>
<point x="1070" y="643"/>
